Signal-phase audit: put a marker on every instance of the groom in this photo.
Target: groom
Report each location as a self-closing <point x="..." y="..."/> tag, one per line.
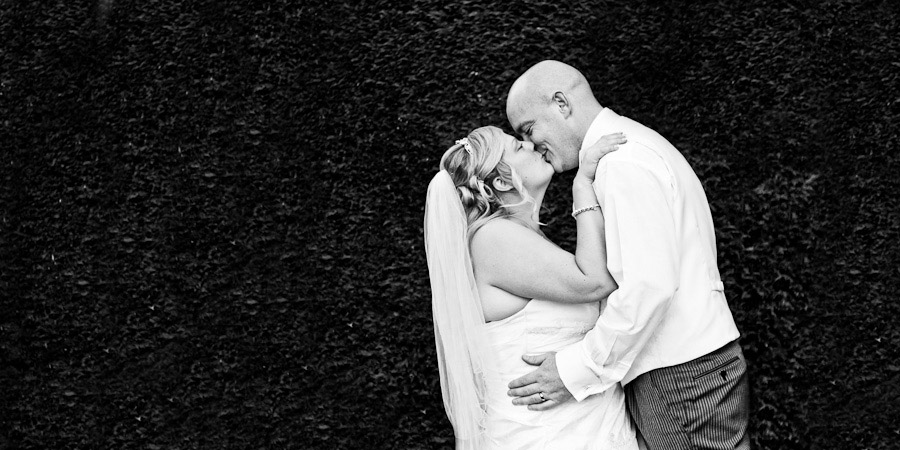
<point x="666" y="334"/>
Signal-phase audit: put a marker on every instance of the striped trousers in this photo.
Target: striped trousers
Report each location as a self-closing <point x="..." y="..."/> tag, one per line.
<point x="701" y="404"/>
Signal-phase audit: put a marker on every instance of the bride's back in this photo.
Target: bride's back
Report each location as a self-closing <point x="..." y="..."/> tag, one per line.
<point x="497" y="303"/>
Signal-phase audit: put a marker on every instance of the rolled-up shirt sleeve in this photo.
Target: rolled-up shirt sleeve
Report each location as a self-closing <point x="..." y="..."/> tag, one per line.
<point x="638" y="199"/>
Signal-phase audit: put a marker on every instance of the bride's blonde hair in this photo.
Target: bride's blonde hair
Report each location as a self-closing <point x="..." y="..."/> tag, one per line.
<point x="473" y="172"/>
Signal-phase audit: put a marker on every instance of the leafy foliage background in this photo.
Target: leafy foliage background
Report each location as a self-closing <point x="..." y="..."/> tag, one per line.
<point x="211" y="210"/>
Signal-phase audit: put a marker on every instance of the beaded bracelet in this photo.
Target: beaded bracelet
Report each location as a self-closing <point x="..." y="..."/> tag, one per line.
<point x="585" y="209"/>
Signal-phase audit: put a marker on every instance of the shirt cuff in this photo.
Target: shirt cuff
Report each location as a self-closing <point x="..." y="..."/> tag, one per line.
<point x="577" y="372"/>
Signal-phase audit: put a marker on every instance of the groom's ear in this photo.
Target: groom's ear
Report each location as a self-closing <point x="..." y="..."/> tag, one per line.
<point x="562" y="102"/>
<point x="500" y="185"/>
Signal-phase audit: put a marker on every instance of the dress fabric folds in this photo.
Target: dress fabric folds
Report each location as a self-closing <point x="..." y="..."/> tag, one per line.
<point x="598" y="422"/>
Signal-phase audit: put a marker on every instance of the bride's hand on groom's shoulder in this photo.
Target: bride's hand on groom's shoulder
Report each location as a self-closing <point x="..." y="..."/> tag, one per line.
<point x="590" y="157"/>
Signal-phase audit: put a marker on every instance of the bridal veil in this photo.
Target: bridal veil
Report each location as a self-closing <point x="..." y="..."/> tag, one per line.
<point x="458" y="316"/>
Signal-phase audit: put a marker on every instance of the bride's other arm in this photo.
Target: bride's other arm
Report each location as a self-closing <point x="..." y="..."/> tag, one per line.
<point x="519" y="261"/>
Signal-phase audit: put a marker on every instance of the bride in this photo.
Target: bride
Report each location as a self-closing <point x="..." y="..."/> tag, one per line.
<point x="501" y="289"/>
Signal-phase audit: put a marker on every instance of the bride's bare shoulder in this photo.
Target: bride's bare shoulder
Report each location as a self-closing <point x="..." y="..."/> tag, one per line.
<point x="498" y="233"/>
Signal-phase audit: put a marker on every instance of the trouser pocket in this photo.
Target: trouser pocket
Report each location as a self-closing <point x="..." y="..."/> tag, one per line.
<point x="722" y="366"/>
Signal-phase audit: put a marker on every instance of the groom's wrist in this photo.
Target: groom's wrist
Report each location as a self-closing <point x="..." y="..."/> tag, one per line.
<point x="578" y="378"/>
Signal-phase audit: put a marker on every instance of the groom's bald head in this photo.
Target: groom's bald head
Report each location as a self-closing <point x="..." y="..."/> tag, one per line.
<point x="538" y="84"/>
<point x="552" y="105"/>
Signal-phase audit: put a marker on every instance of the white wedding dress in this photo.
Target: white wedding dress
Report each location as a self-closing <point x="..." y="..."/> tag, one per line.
<point x="598" y="422"/>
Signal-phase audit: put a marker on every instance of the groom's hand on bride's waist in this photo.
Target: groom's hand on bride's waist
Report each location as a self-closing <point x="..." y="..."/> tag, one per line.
<point x="541" y="389"/>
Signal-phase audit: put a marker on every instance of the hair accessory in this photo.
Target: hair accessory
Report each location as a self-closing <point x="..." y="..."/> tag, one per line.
<point x="585" y="209"/>
<point x="465" y="143"/>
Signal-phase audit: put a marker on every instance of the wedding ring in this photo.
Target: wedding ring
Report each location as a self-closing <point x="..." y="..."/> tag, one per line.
<point x="541" y="395"/>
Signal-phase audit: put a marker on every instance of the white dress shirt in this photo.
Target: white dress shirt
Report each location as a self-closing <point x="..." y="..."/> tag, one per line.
<point x="670" y="307"/>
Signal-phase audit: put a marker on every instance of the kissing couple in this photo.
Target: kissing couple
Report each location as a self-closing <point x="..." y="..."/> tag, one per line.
<point x="627" y="343"/>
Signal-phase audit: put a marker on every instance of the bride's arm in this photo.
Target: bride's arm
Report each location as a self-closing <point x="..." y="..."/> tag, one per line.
<point x="517" y="260"/>
<point x="590" y="251"/>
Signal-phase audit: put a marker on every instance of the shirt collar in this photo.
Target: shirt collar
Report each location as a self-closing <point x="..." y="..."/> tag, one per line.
<point x="601" y="126"/>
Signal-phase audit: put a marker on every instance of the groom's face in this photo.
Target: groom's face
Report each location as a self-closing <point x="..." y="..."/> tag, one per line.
<point x="546" y="128"/>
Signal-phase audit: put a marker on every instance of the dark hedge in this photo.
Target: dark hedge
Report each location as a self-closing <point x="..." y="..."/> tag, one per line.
<point x="211" y="210"/>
